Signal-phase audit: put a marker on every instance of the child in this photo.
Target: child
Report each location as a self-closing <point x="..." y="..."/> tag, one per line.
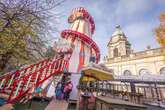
<point x="67" y="90"/>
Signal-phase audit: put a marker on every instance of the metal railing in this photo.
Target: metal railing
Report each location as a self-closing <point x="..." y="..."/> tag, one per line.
<point x="133" y="91"/>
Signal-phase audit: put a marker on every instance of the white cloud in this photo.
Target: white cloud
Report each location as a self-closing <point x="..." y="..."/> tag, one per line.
<point x="141" y="34"/>
<point x="138" y="29"/>
<point x="129" y="9"/>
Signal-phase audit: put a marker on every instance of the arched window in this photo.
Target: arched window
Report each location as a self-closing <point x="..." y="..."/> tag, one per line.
<point x="144" y="72"/>
<point x="162" y="71"/>
<point x="127" y="73"/>
<point x="115" y="52"/>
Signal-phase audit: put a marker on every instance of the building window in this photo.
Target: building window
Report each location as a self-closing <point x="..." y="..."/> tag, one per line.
<point x="144" y="72"/>
<point x="115" y="52"/>
<point x="127" y="73"/>
<point x="162" y="71"/>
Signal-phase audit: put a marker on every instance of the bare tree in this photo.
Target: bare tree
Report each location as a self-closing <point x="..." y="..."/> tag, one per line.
<point x="24" y="29"/>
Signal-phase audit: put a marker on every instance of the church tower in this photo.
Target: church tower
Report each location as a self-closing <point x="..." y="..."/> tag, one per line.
<point x="118" y="45"/>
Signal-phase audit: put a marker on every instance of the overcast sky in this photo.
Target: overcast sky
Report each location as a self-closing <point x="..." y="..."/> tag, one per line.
<point x="137" y="18"/>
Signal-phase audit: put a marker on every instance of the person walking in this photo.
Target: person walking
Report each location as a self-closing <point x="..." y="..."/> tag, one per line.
<point x="58" y="91"/>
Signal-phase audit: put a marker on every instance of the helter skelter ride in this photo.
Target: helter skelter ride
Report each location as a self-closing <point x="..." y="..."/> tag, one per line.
<point x="80" y="35"/>
<point x="75" y="50"/>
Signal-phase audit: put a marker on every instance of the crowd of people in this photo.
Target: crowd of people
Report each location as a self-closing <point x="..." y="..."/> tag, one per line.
<point x="63" y="89"/>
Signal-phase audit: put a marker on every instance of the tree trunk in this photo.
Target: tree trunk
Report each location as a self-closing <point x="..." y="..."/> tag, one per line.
<point x="4" y="60"/>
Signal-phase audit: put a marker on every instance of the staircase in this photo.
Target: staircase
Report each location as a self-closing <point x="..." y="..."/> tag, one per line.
<point x="51" y="85"/>
<point x="16" y="85"/>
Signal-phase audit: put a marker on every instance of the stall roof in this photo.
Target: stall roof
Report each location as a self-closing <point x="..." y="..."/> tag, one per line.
<point x="93" y="73"/>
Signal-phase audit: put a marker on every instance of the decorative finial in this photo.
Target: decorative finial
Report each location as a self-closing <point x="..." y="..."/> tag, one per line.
<point x="148" y="47"/>
<point x="118" y="26"/>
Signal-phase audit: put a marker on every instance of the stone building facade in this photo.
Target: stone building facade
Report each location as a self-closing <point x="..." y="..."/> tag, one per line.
<point x="123" y="61"/>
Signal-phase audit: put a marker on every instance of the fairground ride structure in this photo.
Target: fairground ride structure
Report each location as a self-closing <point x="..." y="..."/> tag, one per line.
<point x="79" y="50"/>
<point x="80" y="34"/>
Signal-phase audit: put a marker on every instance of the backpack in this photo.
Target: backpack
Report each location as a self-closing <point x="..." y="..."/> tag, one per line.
<point x="70" y="86"/>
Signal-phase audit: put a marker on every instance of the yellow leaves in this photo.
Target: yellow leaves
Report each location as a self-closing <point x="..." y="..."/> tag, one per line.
<point x="161" y="41"/>
<point x="162" y="17"/>
<point x="7" y="44"/>
<point x="15" y="36"/>
<point x="160" y="31"/>
<point x="22" y="28"/>
<point x="22" y="31"/>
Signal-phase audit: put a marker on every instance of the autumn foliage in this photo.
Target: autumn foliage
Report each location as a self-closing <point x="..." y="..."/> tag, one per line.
<point x="24" y="29"/>
<point x="160" y="31"/>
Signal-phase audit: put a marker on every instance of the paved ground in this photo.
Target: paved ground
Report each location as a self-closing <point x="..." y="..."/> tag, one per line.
<point x="6" y="107"/>
<point x="119" y="102"/>
<point x="57" y="105"/>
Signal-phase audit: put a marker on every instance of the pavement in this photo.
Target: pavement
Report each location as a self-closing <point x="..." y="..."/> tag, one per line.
<point x="7" y="107"/>
<point x="57" y="105"/>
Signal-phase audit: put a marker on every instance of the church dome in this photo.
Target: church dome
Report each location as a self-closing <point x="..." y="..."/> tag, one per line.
<point x="118" y="35"/>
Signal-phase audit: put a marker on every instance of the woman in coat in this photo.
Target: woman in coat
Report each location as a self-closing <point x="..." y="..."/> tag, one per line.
<point x="58" y="91"/>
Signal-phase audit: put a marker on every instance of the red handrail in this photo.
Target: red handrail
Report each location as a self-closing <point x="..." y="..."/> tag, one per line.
<point x="22" y="69"/>
<point x="53" y="68"/>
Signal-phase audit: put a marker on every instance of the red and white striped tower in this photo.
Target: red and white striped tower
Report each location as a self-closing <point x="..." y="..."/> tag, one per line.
<point x="80" y="35"/>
